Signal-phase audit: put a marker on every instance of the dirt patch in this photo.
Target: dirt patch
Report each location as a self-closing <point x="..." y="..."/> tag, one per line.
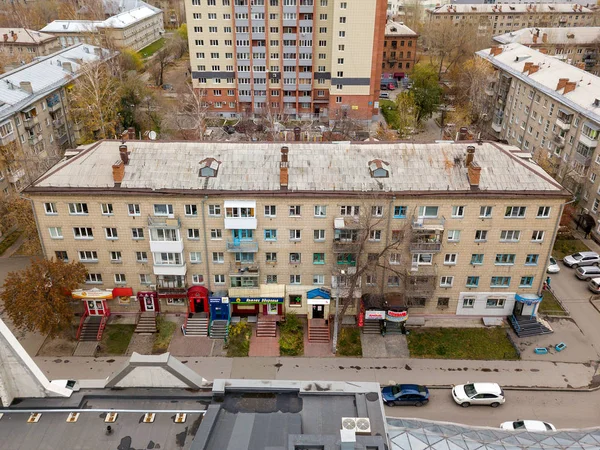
<point x="63" y="345"/>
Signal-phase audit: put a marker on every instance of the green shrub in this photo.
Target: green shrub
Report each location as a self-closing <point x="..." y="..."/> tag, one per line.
<point x="291" y="336"/>
<point x="238" y="341"/>
<point x="349" y="343"/>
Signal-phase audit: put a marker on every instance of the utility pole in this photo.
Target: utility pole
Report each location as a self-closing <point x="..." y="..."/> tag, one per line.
<point x="337" y="304"/>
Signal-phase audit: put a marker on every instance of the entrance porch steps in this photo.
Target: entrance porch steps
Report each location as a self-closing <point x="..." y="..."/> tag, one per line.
<point x="526" y="326"/>
<point x="219" y="329"/>
<point x="318" y="331"/>
<point x="371" y="327"/>
<point x="266" y="328"/>
<point x="146" y="323"/>
<point x="89" y="331"/>
<point x="197" y="325"/>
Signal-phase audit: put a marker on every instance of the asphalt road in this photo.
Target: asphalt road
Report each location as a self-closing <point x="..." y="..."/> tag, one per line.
<point x="563" y="409"/>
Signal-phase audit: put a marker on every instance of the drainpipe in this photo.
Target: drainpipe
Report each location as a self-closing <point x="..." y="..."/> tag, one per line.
<point x="528" y="116"/>
<point x="388" y="236"/>
<point x="37" y="224"/>
<point x="205" y="242"/>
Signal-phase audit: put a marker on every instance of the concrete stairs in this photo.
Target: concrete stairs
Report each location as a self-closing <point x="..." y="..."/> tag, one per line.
<point x="146" y="323"/>
<point x="526" y="326"/>
<point x="266" y="328"/>
<point x="318" y="331"/>
<point x="219" y="329"/>
<point x="89" y="330"/>
<point x="371" y="327"/>
<point x="197" y="325"/>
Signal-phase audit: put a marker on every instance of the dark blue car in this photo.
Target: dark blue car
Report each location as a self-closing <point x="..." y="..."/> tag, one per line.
<point x="405" y="394"/>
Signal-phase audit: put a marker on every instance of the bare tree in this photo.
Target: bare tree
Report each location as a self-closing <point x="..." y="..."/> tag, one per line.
<point x="448" y="43"/>
<point x="191" y="113"/>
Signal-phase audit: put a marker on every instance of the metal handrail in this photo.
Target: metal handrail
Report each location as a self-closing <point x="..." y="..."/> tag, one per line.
<point x="81" y="322"/>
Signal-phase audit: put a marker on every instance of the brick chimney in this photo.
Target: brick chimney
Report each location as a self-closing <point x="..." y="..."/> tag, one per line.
<point x="545" y="38"/>
<point x="543" y="50"/>
<point x="474" y="174"/>
<point x="15" y="36"/>
<point x="5" y="37"/>
<point x="535" y="38"/>
<point x="283" y="169"/>
<point x="123" y="153"/>
<point x="118" y="169"/>
<point x="470" y="155"/>
<point x="527" y="66"/>
<point x="570" y="86"/>
<point x="533" y="69"/>
<point x="495" y="51"/>
<point x="131" y="133"/>
<point x="26" y="86"/>
<point x="562" y="82"/>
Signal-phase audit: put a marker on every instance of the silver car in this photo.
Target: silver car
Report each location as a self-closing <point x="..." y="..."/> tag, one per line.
<point x="581" y="259"/>
<point x="478" y="394"/>
<point x="587" y="272"/>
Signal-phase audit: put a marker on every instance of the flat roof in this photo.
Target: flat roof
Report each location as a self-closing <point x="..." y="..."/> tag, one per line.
<point x="46" y="74"/>
<point x="472" y="8"/>
<point x="158" y="166"/>
<point x="24" y="36"/>
<point x="560" y="35"/>
<point x="512" y="60"/>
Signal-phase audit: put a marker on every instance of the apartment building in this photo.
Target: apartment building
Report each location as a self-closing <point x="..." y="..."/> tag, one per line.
<point x="21" y="44"/>
<point x="135" y="29"/>
<point x="491" y="19"/>
<point x="551" y="109"/>
<point x="461" y="228"/>
<point x="34" y="122"/>
<point x="577" y="46"/>
<point x="399" y="49"/>
<point x="288" y="57"/>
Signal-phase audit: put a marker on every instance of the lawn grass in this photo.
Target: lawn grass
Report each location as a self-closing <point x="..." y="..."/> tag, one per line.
<point x="291" y="336"/>
<point x="147" y="52"/>
<point x="461" y="343"/>
<point x="568" y="246"/>
<point x="551" y="306"/>
<point x="9" y="240"/>
<point x="389" y="111"/>
<point x="238" y="341"/>
<point x="349" y="343"/>
<point x="115" y="339"/>
<point x="162" y="339"/>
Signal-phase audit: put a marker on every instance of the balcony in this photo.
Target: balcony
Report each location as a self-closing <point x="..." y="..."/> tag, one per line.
<point x="427" y="223"/>
<point x="62" y="140"/>
<point x="559" y="140"/>
<point x="346" y="246"/>
<point x="241" y="246"/>
<point x="585" y="161"/>
<point x="420" y="283"/>
<point x="33" y="140"/>
<point x="238" y="269"/>
<point x="31" y="122"/>
<point x="588" y="141"/>
<point x="174" y="284"/>
<point x="57" y="123"/>
<point x="166" y="246"/>
<point x="497" y="126"/>
<point x="240" y="215"/>
<point x="53" y="106"/>
<point x="15" y="175"/>
<point x="564" y="123"/>
<point x="425" y="247"/>
<point x="164" y="222"/>
<point x="170" y="269"/>
<point x="10" y="137"/>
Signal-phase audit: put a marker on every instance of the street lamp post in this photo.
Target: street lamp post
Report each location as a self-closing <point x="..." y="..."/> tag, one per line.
<point x="337" y="304"/>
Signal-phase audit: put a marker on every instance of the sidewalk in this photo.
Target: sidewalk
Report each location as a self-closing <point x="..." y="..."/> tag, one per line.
<point x="526" y="374"/>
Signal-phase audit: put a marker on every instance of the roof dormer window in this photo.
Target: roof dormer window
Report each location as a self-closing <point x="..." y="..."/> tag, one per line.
<point x="379" y="168"/>
<point x="209" y="167"/>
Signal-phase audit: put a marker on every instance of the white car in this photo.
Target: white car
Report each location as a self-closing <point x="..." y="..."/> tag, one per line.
<point x="528" y="425"/>
<point x="478" y="394"/>
<point x="553" y="266"/>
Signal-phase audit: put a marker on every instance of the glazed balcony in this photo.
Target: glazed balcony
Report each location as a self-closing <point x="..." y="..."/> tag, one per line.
<point x="246" y="269"/>
<point x="428" y="223"/>
<point x="170" y="269"/>
<point x="242" y="246"/>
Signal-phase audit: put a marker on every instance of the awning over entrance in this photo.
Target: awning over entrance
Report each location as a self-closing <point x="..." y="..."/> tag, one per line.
<point x="398" y="74"/>
<point x="141" y="295"/>
<point x="92" y="294"/>
<point x="195" y="291"/>
<point x="318" y="296"/>
<point x="528" y="299"/>
<point x="122" y="292"/>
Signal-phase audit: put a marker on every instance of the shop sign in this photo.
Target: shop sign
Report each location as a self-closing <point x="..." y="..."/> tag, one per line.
<point x="396" y="316"/>
<point x="374" y="315"/>
<point x="318" y="301"/>
<point x="257" y="300"/>
<point x="214" y="300"/>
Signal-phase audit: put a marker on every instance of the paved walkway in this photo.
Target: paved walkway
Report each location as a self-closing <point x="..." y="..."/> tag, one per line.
<point x="263" y="346"/>
<point x="424" y="371"/>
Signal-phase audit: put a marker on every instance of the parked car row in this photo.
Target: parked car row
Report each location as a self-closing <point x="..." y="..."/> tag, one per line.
<point x="465" y="395"/>
<point x="587" y="268"/>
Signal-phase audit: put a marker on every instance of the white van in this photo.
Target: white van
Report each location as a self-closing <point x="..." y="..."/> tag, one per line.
<point x="594" y="285"/>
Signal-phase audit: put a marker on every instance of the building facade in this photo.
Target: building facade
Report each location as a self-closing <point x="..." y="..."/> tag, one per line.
<point x="135" y="29"/>
<point x="35" y="128"/>
<point x="279" y="229"/>
<point x="577" y="46"/>
<point x="549" y="108"/>
<point x="21" y="44"/>
<point x="491" y="19"/>
<point x="399" y="49"/>
<point x="288" y="57"/>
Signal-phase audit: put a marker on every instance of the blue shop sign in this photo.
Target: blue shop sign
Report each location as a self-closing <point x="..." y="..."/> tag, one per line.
<point x="256" y="299"/>
<point x="215" y="300"/>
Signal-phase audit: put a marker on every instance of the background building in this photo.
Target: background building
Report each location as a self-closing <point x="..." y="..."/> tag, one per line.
<point x="34" y="120"/>
<point x="136" y="28"/>
<point x="491" y="20"/>
<point x="292" y="57"/>
<point x="577" y="45"/>
<point x="21" y="44"/>
<point x="446" y="228"/>
<point x="549" y="108"/>
<point x="399" y="49"/>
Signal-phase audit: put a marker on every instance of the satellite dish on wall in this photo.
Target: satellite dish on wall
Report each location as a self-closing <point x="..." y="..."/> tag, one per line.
<point x="152" y="135"/>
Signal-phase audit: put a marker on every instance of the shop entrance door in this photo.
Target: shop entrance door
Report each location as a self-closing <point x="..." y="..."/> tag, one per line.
<point x="272" y="309"/>
<point x="149" y="304"/>
<point x="518" y="309"/>
<point x="318" y="312"/>
<point x="198" y="304"/>
<point x="95" y="307"/>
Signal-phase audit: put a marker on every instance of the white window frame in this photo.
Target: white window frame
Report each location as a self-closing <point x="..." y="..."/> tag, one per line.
<point x="55" y="233"/>
<point x="111" y="233"/>
<point x="107" y="209"/>
<point x="320" y="210"/>
<point x="195" y="257"/>
<point x="133" y="209"/>
<point x="78" y="209"/>
<point x="458" y="212"/>
<point x="446" y="281"/>
<point x="50" y="209"/>
<point x="450" y="259"/>
<point x="485" y="212"/>
<point x="453" y="235"/>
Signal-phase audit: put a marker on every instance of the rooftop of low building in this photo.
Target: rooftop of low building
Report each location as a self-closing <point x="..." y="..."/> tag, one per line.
<point x="528" y="8"/>
<point x="20" y="36"/>
<point x="398" y="29"/>
<point x="557" y="35"/>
